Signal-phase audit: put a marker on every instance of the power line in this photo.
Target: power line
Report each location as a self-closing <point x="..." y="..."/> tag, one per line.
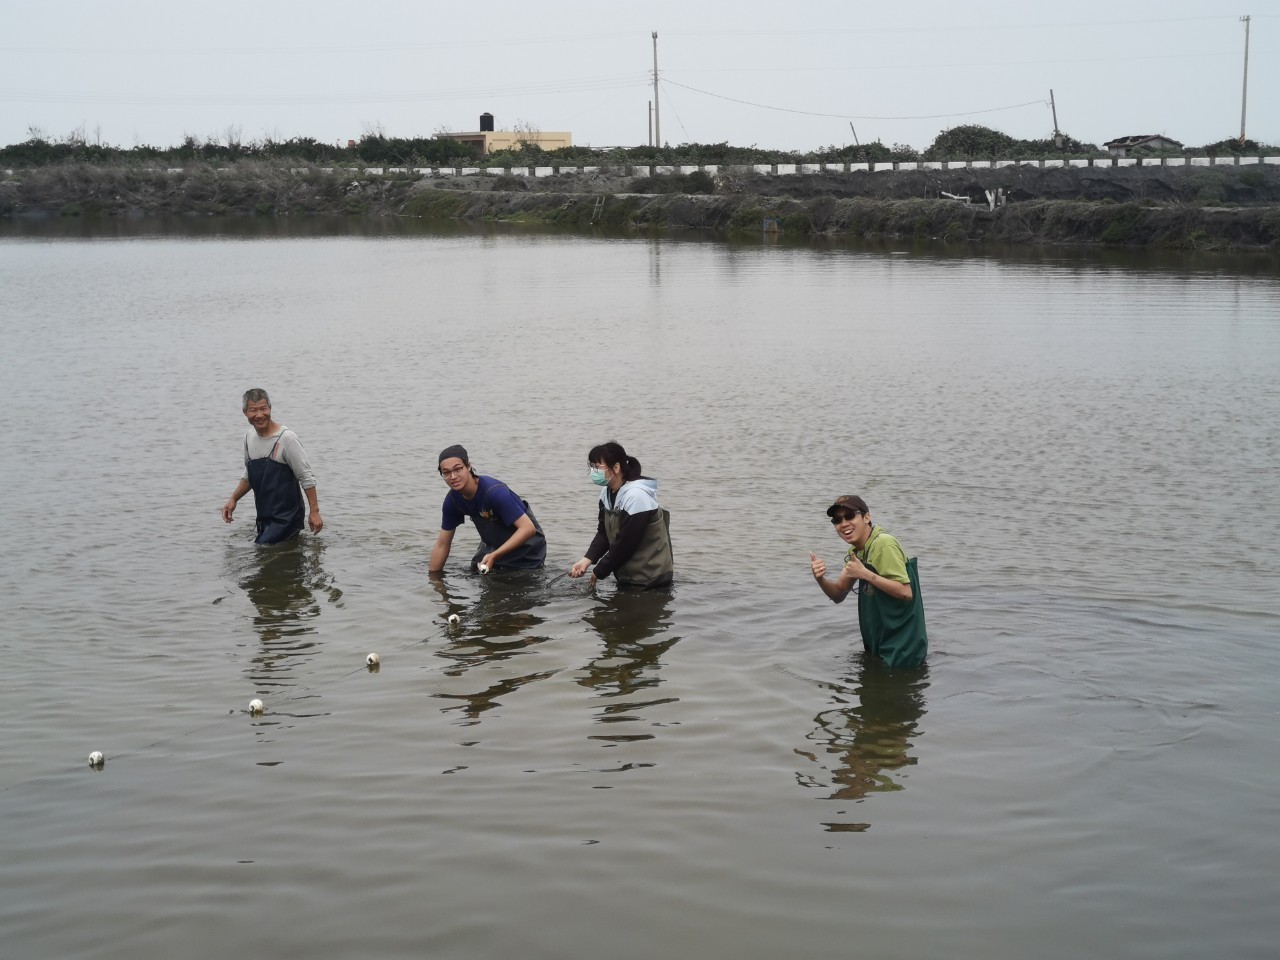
<point x="671" y="105"/>
<point x="916" y="29"/>
<point x="901" y="65"/>
<point x="846" y="116"/>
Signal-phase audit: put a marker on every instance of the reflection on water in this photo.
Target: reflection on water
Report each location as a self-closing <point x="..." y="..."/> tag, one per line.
<point x="473" y="705"/>
<point x="244" y="228"/>
<point x="44" y="228"/>
<point x="864" y="739"/>
<point x="287" y="585"/>
<point x="629" y="623"/>
<point x="497" y="626"/>
<point x="504" y="607"/>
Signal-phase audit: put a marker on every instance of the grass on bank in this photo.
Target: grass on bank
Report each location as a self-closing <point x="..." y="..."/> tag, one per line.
<point x="250" y="187"/>
<point x="1170" y="226"/>
<point x="256" y="188"/>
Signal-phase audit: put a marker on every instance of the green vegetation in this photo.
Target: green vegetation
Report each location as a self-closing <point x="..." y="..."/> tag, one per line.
<point x="438" y="205"/>
<point x="253" y="188"/>
<point x="974" y="142"/>
<point x="1124" y="226"/>
<point x="967" y="142"/>
<point x="1043" y="221"/>
<point x="1271" y="227"/>
<point x="697" y="182"/>
<point x="372" y="149"/>
<point x="1235" y="146"/>
<point x="1210" y="185"/>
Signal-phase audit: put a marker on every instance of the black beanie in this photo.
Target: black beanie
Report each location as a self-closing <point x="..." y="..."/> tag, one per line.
<point x="457" y="450"/>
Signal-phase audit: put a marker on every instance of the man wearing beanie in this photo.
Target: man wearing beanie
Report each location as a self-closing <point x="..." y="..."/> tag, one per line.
<point x="510" y="536"/>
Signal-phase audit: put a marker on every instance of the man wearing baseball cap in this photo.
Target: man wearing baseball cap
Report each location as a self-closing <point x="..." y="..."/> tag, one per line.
<point x="509" y="533"/>
<point x="890" y="605"/>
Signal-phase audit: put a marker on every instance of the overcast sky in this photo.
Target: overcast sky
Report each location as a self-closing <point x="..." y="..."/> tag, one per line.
<point x="775" y="74"/>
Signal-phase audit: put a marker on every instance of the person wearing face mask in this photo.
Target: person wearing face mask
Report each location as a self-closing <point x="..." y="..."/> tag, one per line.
<point x="633" y="534"/>
<point x="890" y="604"/>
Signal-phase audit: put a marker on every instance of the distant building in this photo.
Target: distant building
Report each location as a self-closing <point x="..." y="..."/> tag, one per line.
<point x="488" y="139"/>
<point x="1122" y="146"/>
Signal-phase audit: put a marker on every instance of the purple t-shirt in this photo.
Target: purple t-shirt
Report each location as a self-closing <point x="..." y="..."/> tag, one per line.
<point x="493" y="501"/>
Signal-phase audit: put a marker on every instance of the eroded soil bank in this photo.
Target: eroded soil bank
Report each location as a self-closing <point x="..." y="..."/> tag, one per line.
<point x="1218" y="208"/>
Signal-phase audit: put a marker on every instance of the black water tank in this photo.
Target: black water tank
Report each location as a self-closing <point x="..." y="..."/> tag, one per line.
<point x="486" y="122"/>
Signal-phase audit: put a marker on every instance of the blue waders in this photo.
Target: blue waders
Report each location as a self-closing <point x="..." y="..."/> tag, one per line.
<point x="276" y="496"/>
<point x="528" y="556"/>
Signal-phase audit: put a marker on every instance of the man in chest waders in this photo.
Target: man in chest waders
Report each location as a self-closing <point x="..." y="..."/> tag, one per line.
<point x="276" y="469"/>
<point x="890" y="605"/>
<point x="510" y="536"/>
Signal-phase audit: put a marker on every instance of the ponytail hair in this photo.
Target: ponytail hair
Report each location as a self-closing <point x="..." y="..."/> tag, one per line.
<point x="611" y="454"/>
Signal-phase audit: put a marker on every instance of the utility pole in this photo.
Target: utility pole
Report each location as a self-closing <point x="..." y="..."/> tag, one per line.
<point x="657" y="123"/>
<point x="651" y="123"/>
<point x="855" y="134"/>
<point x="1057" y="134"/>
<point x="1244" y="93"/>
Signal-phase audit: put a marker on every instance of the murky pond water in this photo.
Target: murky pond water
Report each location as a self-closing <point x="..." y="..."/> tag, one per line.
<point x="1080" y="450"/>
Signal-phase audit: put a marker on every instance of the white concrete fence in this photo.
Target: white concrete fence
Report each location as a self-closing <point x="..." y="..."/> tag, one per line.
<point x="792" y="169"/>
<point x="769" y="169"/>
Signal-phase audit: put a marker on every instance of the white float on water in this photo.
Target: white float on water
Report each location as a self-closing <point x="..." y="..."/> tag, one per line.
<point x="255" y="706"/>
<point x="96" y="759"/>
<point x="372" y="660"/>
<point x="454" y="619"/>
<point x="482" y="567"/>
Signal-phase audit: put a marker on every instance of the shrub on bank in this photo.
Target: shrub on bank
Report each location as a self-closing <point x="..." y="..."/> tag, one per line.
<point x="976" y="142"/>
<point x="247" y="188"/>
<point x="696" y="182"/>
<point x="1237" y="147"/>
<point x="372" y="149"/>
<point x="966" y="142"/>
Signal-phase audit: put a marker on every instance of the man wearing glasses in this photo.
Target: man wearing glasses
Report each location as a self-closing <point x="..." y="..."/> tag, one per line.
<point x="509" y="533"/>
<point x="890" y="605"/>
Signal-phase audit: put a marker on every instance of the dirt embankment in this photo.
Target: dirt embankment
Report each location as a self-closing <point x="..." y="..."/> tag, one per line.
<point x="1242" y="185"/>
<point x="1196" y="208"/>
<point x="1220" y="207"/>
<point x="1179" y="226"/>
